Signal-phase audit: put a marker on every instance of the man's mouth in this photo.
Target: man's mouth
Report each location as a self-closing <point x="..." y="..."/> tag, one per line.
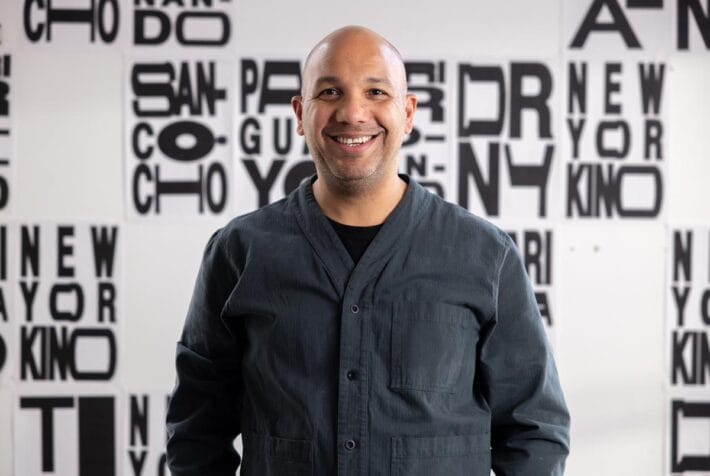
<point x="352" y="141"/>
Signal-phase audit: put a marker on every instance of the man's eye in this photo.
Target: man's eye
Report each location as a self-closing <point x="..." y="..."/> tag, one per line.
<point x="377" y="92"/>
<point x="330" y="92"/>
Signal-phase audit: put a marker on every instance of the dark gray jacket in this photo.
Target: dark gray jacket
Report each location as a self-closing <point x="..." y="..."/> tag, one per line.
<point x="426" y="358"/>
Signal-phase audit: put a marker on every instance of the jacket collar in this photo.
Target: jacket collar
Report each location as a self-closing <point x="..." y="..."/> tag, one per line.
<point x="396" y="230"/>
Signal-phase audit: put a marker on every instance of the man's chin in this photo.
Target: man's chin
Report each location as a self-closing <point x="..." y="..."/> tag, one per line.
<point x="354" y="181"/>
<point x="352" y="174"/>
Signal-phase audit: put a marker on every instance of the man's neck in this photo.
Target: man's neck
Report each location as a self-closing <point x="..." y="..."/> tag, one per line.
<point x="363" y="208"/>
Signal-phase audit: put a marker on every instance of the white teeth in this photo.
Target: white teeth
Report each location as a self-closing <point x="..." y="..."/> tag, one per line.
<point x="353" y="141"/>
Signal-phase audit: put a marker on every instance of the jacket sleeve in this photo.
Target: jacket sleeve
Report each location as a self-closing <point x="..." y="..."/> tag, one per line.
<point x="204" y="409"/>
<point x="529" y="417"/>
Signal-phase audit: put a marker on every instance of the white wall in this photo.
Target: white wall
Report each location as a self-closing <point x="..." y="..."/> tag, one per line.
<point x="70" y="165"/>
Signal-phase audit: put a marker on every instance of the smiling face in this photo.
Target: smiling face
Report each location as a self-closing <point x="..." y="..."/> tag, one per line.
<point x="354" y="110"/>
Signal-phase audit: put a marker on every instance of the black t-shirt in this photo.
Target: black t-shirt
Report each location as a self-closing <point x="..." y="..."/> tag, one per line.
<point x="355" y="238"/>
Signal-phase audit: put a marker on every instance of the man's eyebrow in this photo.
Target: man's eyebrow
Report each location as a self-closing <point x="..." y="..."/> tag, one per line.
<point x="336" y="80"/>
<point x="326" y="79"/>
<point x="376" y="80"/>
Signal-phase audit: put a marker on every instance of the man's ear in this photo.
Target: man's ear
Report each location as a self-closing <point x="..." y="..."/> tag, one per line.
<point x="410" y="106"/>
<point x="297" y="105"/>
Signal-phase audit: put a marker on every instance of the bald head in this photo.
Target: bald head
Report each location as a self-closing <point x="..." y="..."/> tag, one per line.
<point x="354" y="112"/>
<point x="351" y="38"/>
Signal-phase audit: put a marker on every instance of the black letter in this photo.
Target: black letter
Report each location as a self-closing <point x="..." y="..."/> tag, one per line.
<point x="30" y="250"/>
<point x="250" y="80"/>
<point x="139" y="30"/>
<point x="651" y="86"/>
<point x="263" y="185"/>
<point x="27" y="357"/>
<point x="251" y="144"/>
<point x="32" y="34"/>
<point x="684" y="6"/>
<point x="610" y="87"/>
<point x="111" y="341"/>
<point x="104" y="249"/>
<point x="216" y="175"/>
<point x="682" y="253"/>
<point x="619" y="23"/>
<point x="278" y="96"/>
<point x="468" y="165"/>
<point x="29" y="296"/>
<point x="97" y="445"/>
<point x="680" y="300"/>
<point x="46" y="405"/>
<point x="142" y="207"/>
<point x="654" y="132"/>
<point x="705" y="307"/>
<point x="575" y="133"/>
<point x="538" y="103"/>
<point x="153" y="88"/>
<point x="58" y="315"/>
<point x="107" y="296"/>
<point x="139" y="420"/>
<point x="577" y="88"/>
<point x="284" y="148"/>
<point x="297" y="173"/>
<point x="605" y="152"/>
<point x="575" y="172"/>
<point x="531" y="176"/>
<point x="481" y="73"/>
<point x="201" y="145"/>
<point x="64" y="250"/>
<point x="145" y="153"/>
<point x="677" y="359"/>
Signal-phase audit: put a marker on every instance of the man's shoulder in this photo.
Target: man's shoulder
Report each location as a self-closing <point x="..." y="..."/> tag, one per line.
<point x="270" y="220"/>
<point x="453" y="220"/>
<point x="262" y="216"/>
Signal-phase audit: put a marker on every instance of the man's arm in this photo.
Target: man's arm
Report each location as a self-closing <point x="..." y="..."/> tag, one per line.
<point x="203" y="413"/>
<point x="530" y="421"/>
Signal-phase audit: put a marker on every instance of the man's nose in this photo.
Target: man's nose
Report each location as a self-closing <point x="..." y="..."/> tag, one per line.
<point x="352" y="109"/>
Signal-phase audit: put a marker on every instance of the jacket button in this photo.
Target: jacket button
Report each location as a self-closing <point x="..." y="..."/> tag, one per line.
<point x="354" y="309"/>
<point x="352" y="375"/>
<point x="350" y="445"/>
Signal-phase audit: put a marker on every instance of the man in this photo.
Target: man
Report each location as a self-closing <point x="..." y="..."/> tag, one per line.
<point x="363" y="325"/>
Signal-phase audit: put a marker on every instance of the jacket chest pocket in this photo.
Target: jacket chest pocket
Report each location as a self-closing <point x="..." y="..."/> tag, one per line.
<point x="431" y="343"/>
<point x="441" y="455"/>
<point x="266" y="455"/>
